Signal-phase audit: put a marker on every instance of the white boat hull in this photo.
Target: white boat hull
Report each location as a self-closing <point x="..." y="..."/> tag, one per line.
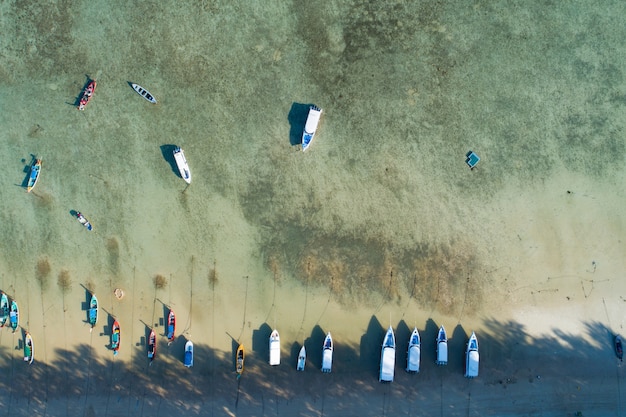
<point x="388" y="357"/>
<point x="472" y="358"/>
<point x="413" y="353"/>
<point x="274" y="348"/>
<point x="188" y="360"/>
<point x="310" y="127"/>
<point x="442" y="347"/>
<point x="327" y="354"/>
<point x="181" y="163"/>
<point x="301" y="359"/>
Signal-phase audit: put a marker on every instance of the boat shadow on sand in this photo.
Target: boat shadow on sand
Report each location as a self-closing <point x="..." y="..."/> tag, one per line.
<point x="168" y="154"/>
<point x="297" y="119"/>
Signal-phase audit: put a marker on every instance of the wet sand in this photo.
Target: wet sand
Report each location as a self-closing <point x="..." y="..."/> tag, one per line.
<point x="380" y="222"/>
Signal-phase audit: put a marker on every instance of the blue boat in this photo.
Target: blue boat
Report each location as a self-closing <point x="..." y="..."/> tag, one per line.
<point x="4" y="309"/>
<point x="14" y="316"/>
<point x="188" y="361"/>
<point x="93" y="311"/>
<point x="310" y="127"/>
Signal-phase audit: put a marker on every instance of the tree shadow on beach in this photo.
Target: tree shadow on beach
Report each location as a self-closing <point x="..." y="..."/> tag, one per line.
<point x="510" y="359"/>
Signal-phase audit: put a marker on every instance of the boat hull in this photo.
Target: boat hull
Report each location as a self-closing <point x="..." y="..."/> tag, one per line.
<point x="144" y="93"/>
<point x="413" y="353"/>
<point x="171" y="326"/>
<point x="183" y="166"/>
<point x="310" y="127"/>
<point x="29" y="348"/>
<point x="35" y="171"/>
<point x="274" y="348"/>
<point x="93" y="311"/>
<point x="4" y="309"/>
<point x="442" y="347"/>
<point x="388" y="357"/>
<point x="152" y="345"/>
<point x="116" y="336"/>
<point x="188" y="360"/>
<point x="87" y="94"/>
<point x="472" y="358"/>
<point x="327" y="354"/>
<point x="619" y="350"/>
<point x="240" y="359"/>
<point x="14" y="316"/>
<point x="301" y="359"/>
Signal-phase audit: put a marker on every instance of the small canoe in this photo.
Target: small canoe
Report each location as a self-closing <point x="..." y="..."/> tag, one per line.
<point x="152" y="345"/>
<point x="93" y="311"/>
<point x="275" y="348"/>
<point x="29" y="349"/>
<point x="310" y="127"/>
<point x="240" y="358"/>
<point x="4" y="309"/>
<point x="413" y="352"/>
<point x="183" y="166"/>
<point x="171" y="326"/>
<point x="14" y="316"/>
<point x="35" y="170"/>
<point x="619" y="350"/>
<point x="87" y="94"/>
<point x="143" y="93"/>
<point x="327" y="354"/>
<point x="188" y="361"/>
<point x="115" y="337"/>
<point x="82" y="220"/>
<point x="301" y="359"/>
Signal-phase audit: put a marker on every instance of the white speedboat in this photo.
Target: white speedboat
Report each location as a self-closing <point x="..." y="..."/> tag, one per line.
<point x="310" y="127"/>
<point x="143" y="93"/>
<point x="442" y="347"/>
<point x="327" y="354"/>
<point x="471" y="357"/>
<point x="275" y="348"/>
<point x="301" y="359"/>
<point x="413" y="354"/>
<point x="388" y="357"/>
<point x="181" y="162"/>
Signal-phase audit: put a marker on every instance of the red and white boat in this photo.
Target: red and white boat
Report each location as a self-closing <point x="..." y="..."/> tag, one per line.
<point x="152" y="345"/>
<point x="87" y="94"/>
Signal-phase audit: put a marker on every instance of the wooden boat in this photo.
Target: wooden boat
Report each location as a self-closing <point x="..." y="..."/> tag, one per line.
<point x="87" y="94"/>
<point x="4" y="309"/>
<point x="310" y="127"/>
<point x="327" y="354"/>
<point x="188" y="360"/>
<point x="301" y="359"/>
<point x="35" y="170"/>
<point x="93" y="311"/>
<point x="388" y="357"/>
<point x="171" y="326"/>
<point x="413" y="352"/>
<point x="241" y="355"/>
<point x="183" y="167"/>
<point x="29" y="348"/>
<point x="115" y="337"/>
<point x="152" y="345"/>
<point x="82" y="220"/>
<point x="471" y="357"/>
<point x="619" y="351"/>
<point x="275" y="348"/>
<point x="14" y="316"/>
<point x="143" y="93"/>
<point x="442" y="347"/>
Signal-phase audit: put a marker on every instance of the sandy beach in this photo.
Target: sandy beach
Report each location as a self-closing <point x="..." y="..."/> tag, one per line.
<point x="380" y="222"/>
